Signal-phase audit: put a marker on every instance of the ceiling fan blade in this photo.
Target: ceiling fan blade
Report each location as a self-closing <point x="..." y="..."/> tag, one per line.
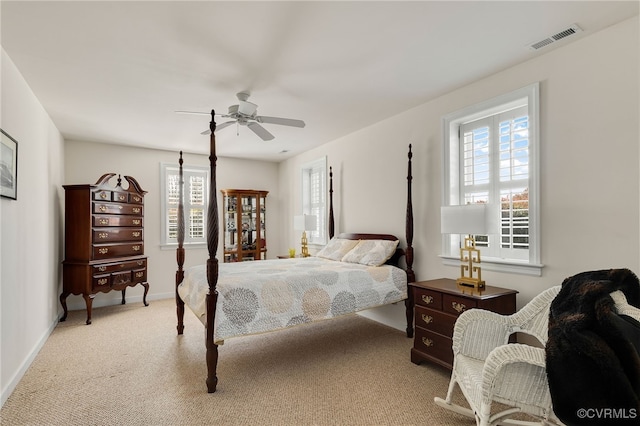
<point x="260" y="131"/>
<point x="193" y="112"/>
<point x="281" y="121"/>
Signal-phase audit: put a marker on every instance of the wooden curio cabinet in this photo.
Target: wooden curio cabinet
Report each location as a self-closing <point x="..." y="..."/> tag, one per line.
<point x="244" y="225"/>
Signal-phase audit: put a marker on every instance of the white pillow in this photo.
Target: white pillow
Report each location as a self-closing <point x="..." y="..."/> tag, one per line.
<point x="371" y="252"/>
<point x="337" y="248"/>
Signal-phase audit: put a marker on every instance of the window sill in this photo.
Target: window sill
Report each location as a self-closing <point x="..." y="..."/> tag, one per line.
<point x="498" y="265"/>
<point x="173" y="246"/>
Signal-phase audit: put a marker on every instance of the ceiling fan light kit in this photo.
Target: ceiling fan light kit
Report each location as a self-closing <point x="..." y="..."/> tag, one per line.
<point x="245" y="114"/>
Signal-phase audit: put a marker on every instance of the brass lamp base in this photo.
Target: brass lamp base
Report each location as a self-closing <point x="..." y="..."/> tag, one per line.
<point x="304" y="248"/>
<point x="470" y="258"/>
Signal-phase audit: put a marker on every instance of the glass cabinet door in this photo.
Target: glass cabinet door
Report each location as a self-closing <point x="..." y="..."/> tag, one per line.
<point x="244" y="234"/>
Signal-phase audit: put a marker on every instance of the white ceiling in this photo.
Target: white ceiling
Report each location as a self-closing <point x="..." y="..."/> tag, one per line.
<point x="115" y="72"/>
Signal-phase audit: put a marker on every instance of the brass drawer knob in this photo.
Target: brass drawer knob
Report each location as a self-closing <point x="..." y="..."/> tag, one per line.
<point x="428" y="319"/>
<point x="427" y="342"/>
<point x="458" y="307"/>
<point x="427" y="299"/>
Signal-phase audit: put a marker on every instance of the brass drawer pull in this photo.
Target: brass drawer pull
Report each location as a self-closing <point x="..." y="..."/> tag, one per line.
<point x="103" y="281"/>
<point x="103" y="208"/>
<point x="136" y="234"/>
<point x="136" y="209"/>
<point x="103" y="250"/>
<point x="103" y="195"/>
<point x="121" y="197"/>
<point x="102" y="268"/>
<point x="458" y="307"/>
<point x="104" y="221"/>
<point x="139" y="274"/>
<point x="427" y="342"/>
<point x="135" y="248"/>
<point x="103" y="235"/>
<point x="137" y="199"/>
<point x="427" y="299"/>
<point x="136" y="221"/>
<point x="428" y="319"/>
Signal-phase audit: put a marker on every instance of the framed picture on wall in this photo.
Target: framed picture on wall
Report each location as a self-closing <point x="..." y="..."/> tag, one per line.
<point x="8" y="166"/>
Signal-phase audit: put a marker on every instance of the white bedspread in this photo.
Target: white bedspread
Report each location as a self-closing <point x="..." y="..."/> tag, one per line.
<point x="267" y="295"/>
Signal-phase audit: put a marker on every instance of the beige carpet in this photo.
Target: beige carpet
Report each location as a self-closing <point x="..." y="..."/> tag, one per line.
<point x="130" y="368"/>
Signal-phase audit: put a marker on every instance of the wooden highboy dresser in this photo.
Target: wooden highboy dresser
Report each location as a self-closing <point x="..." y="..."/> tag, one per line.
<point x="437" y="305"/>
<point x="104" y="240"/>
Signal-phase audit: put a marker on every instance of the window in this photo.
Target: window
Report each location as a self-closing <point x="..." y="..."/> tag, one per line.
<point x="314" y="198"/>
<point x="491" y="157"/>
<point x="195" y="200"/>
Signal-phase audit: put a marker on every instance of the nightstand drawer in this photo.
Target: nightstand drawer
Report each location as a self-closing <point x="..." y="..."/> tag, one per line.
<point x="434" y="345"/>
<point x="429" y="298"/>
<point x="438" y="321"/>
<point x="456" y="305"/>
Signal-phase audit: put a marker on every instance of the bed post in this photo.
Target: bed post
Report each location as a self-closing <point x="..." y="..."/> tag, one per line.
<point x="212" y="263"/>
<point x="180" y="249"/>
<point x="411" y="276"/>
<point x="331" y="221"/>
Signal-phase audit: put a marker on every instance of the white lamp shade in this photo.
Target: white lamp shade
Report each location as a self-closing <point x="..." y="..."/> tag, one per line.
<point x="466" y="219"/>
<point x="305" y="222"/>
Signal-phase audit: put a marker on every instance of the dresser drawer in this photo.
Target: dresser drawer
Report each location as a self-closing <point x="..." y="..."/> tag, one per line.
<point x="101" y="282"/>
<point x="139" y="275"/>
<point x="117" y="234"/>
<point x="117" y="208"/>
<point x="117" y="221"/>
<point x="434" y="345"/>
<point x="430" y="298"/>
<point x="117" y="267"/>
<point x="135" y="199"/>
<point x="120" y="279"/>
<point x="107" y="251"/>
<point x="456" y="305"/>
<point x="438" y="321"/>
<point x="101" y="195"/>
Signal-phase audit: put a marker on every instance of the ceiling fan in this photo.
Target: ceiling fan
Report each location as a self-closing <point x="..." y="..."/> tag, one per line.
<point x="245" y="114"/>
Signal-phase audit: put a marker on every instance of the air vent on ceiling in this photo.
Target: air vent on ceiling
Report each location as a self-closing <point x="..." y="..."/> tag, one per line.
<point x="567" y="32"/>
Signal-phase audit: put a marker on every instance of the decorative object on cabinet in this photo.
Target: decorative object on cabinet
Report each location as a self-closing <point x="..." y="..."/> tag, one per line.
<point x="469" y="219"/>
<point x="438" y="303"/>
<point x="8" y="167"/>
<point x="304" y="223"/>
<point x="244" y="218"/>
<point x="104" y="240"/>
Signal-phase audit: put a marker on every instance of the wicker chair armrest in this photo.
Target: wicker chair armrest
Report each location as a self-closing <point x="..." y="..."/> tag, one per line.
<point x="477" y="332"/>
<point x="516" y="371"/>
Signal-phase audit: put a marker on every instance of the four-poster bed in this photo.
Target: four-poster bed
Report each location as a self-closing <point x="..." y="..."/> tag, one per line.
<point x="354" y="272"/>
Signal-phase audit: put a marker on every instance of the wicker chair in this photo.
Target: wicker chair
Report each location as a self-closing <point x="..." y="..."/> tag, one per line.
<point x="487" y="368"/>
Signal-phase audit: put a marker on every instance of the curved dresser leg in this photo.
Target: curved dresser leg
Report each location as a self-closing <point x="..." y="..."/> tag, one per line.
<point x="88" y="299"/>
<point x="124" y="291"/>
<point x="146" y="290"/>
<point x="63" y="302"/>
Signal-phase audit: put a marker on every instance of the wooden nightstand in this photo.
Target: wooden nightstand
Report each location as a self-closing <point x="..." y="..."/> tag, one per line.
<point x="437" y="305"/>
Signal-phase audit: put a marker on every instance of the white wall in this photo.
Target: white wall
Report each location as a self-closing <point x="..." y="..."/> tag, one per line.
<point x="589" y="165"/>
<point x="30" y="231"/>
<point x="144" y="165"/>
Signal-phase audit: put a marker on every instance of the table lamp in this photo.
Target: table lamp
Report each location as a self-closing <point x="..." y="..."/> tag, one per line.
<point x="304" y="223"/>
<point x="468" y="219"/>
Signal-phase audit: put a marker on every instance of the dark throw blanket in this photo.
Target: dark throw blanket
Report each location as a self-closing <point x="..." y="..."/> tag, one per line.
<point x="593" y="354"/>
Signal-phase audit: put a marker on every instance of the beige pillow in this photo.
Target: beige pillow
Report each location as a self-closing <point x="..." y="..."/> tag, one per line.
<point x="336" y="249"/>
<point x="371" y="252"/>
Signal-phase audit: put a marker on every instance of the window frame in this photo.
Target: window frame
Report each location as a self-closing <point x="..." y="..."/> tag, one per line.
<point x="171" y="169"/>
<point x="318" y="237"/>
<point x="451" y="192"/>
